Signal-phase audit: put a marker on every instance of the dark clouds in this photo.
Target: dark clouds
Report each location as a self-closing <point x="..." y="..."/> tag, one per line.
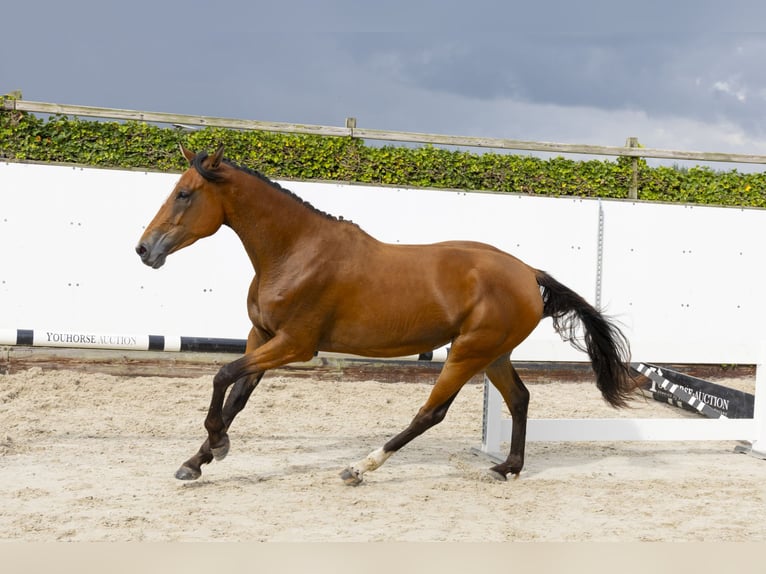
<point x="701" y="63"/>
<point x="671" y="72"/>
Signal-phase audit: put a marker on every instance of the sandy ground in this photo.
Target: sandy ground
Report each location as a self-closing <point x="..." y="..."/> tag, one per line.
<point x="90" y="457"/>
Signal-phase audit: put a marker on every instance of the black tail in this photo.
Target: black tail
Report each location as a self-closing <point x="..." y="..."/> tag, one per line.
<point x="605" y="344"/>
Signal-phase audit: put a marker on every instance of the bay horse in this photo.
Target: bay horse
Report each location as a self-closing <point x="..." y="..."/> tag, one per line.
<point x="323" y="284"/>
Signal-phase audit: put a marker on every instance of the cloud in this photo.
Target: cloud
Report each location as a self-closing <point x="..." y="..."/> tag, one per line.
<point x="729" y="88"/>
<point x="682" y="74"/>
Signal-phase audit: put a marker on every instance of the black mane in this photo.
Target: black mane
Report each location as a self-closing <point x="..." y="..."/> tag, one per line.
<point x="215" y="176"/>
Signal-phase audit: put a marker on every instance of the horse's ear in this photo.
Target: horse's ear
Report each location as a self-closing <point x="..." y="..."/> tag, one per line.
<point x="188" y="154"/>
<point x="215" y="161"/>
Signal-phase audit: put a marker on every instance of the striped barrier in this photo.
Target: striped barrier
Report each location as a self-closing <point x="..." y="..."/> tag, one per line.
<point x="693" y="394"/>
<point x="133" y="342"/>
<point x="118" y="341"/>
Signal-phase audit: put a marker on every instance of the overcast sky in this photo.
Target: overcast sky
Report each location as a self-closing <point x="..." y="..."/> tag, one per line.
<point x="676" y="74"/>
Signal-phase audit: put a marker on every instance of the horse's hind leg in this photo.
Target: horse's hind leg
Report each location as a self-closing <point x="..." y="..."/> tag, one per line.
<point x="452" y="378"/>
<point x="505" y="378"/>
<point x="425" y="419"/>
<point x="235" y="402"/>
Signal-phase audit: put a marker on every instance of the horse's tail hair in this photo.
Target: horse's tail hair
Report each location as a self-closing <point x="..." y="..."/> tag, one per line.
<point x="603" y="341"/>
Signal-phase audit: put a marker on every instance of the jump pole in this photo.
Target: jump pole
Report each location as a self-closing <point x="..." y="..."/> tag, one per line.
<point x="118" y="341"/>
<point x="83" y="339"/>
<point x="497" y="427"/>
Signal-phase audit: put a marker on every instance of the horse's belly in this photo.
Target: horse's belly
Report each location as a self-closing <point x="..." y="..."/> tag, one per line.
<point x="389" y="334"/>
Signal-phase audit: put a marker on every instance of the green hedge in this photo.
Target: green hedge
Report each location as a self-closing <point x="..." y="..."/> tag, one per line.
<point x="304" y="157"/>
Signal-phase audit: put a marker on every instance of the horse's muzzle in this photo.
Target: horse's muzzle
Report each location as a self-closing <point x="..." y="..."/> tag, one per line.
<point x="150" y="257"/>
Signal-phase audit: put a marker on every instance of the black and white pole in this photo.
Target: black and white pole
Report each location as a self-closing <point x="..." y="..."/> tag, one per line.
<point x="118" y="341"/>
<point x="130" y="342"/>
<point x="655" y="375"/>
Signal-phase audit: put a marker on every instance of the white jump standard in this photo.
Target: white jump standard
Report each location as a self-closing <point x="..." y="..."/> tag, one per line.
<point x="497" y="428"/>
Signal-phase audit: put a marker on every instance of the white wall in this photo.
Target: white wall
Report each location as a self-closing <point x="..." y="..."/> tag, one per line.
<point x="684" y="281"/>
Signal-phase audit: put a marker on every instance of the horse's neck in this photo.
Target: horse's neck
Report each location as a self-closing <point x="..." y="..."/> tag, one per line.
<point x="270" y="222"/>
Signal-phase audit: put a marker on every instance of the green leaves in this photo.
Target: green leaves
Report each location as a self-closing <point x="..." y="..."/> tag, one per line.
<point x="292" y="156"/>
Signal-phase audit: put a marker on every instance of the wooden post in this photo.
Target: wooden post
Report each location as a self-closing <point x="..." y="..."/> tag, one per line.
<point x="633" y="191"/>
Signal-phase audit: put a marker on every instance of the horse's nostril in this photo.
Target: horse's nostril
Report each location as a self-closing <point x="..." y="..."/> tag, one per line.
<point x="141" y="250"/>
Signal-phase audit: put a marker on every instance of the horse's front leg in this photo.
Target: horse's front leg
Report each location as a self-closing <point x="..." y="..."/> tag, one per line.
<point x="236" y="401"/>
<point x="217" y="437"/>
<point x="276" y="352"/>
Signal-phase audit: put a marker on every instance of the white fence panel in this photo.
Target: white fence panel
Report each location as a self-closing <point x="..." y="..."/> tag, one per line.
<point x="685" y="281"/>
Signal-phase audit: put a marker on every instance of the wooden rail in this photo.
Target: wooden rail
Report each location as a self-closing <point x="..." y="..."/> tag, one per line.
<point x="350" y="130"/>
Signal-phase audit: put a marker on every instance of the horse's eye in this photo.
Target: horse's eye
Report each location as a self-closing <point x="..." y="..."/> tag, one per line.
<point x="183" y="195"/>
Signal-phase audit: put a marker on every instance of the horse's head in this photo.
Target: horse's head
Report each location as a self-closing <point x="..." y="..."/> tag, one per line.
<point x="192" y="211"/>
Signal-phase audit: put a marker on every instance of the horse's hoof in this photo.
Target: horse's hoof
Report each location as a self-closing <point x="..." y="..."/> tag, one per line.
<point x="497" y="475"/>
<point x="351" y="477"/>
<point x="186" y="473"/>
<point x="220" y="452"/>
